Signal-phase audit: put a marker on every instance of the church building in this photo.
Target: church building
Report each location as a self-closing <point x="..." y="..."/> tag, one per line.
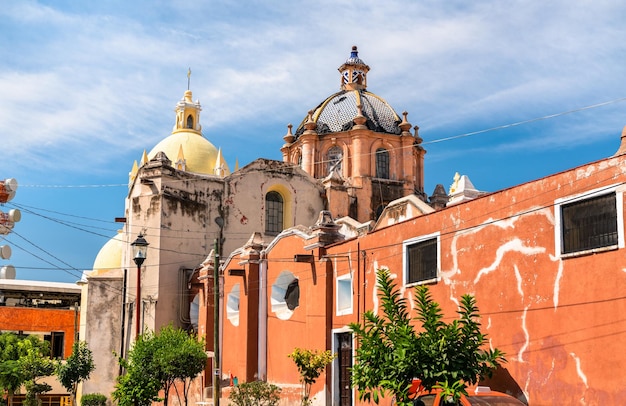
<point x="349" y="157"/>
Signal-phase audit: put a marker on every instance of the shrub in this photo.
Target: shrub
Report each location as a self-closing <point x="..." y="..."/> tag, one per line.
<point x="255" y="393"/>
<point x="93" y="399"/>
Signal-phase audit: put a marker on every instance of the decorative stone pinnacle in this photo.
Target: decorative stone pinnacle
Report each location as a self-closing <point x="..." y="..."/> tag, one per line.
<point x="404" y="125"/>
<point x="289" y="138"/>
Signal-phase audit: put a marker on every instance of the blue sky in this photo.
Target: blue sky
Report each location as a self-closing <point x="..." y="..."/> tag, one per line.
<point x="85" y="87"/>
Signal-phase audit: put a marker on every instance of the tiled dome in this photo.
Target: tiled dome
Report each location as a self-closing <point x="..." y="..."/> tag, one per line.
<point x="337" y="112"/>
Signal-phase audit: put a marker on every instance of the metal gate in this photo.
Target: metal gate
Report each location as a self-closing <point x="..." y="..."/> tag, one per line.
<point x="345" y="363"/>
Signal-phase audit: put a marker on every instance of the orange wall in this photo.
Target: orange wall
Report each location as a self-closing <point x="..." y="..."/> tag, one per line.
<point x="35" y="320"/>
<point x="558" y="319"/>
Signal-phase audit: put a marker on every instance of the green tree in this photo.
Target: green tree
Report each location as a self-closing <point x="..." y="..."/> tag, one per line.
<point x="310" y="366"/>
<point x="180" y="357"/>
<point x="22" y="362"/>
<point x="11" y="376"/>
<point x="76" y="368"/>
<point x="139" y="386"/>
<point x="156" y="362"/>
<point x="35" y="364"/>
<point x="391" y="353"/>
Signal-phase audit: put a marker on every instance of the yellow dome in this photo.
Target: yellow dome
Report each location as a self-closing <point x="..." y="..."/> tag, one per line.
<point x="110" y="256"/>
<point x="198" y="153"/>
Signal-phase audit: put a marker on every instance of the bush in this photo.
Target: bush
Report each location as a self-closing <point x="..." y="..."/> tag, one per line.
<point x="255" y="393"/>
<point x="93" y="399"/>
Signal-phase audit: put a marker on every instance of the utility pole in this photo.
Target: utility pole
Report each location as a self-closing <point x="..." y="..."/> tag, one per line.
<point x="216" y="326"/>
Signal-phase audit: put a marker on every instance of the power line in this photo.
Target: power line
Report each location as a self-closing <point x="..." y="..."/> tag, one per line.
<point x="434" y="141"/>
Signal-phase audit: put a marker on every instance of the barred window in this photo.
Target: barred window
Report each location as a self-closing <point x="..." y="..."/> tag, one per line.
<point x="589" y="224"/>
<point x="273" y="213"/>
<point x="382" y="163"/>
<point x="421" y="261"/>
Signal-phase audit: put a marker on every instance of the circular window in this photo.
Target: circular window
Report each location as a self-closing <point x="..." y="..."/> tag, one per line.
<point x="285" y="295"/>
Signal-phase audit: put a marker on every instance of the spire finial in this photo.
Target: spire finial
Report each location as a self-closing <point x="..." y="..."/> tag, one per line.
<point x="188" y="78"/>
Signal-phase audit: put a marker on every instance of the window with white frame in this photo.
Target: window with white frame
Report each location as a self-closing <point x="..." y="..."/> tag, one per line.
<point x="589" y="222"/>
<point x="344" y="294"/>
<point x="421" y="259"/>
<point x="232" y="305"/>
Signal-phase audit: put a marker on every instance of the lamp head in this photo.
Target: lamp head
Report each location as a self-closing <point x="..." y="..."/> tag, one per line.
<point x="140" y="250"/>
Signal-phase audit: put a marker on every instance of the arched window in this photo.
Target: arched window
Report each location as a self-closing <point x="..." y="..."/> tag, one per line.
<point x="333" y="157"/>
<point x="273" y="213"/>
<point x="190" y="121"/>
<point x="382" y="163"/>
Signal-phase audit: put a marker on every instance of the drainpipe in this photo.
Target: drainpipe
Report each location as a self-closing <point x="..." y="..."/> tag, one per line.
<point x="262" y="349"/>
<point x="358" y="282"/>
<point x="216" y="328"/>
<point x="122" y="352"/>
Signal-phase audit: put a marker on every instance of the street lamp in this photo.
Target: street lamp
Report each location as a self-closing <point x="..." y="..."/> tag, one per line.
<point x="140" y="251"/>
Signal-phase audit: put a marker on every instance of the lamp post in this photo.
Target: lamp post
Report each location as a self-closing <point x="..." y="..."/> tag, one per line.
<point x="140" y="251"/>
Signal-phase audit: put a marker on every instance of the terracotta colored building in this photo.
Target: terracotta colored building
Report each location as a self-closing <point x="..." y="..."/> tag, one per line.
<point x="49" y="310"/>
<point x="46" y="309"/>
<point x="545" y="260"/>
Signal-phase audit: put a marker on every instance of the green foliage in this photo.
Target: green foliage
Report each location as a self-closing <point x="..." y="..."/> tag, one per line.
<point x="76" y="368"/>
<point x="93" y="399"/>
<point x="156" y="362"/>
<point x="388" y="347"/>
<point x="19" y="364"/>
<point x="310" y="366"/>
<point x="391" y="353"/>
<point x="257" y="393"/>
<point x="451" y="393"/>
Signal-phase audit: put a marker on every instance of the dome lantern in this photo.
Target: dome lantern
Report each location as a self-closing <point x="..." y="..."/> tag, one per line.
<point x="354" y="72"/>
<point x="188" y="115"/>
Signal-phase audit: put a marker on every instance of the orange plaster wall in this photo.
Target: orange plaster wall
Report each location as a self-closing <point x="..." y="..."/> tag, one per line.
<point x="304" y="329"/>
<point x="41" y="320"/>
<point x="559" y="320"/>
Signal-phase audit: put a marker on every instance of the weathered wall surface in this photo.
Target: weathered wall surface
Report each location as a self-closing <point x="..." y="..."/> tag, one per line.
<point x="104" y="334"/>
<point x="557" y="317"/>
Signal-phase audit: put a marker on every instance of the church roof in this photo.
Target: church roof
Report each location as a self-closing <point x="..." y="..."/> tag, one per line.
<point x="109" y="257"/>
<point x="337" y="112"/>
<point x="198" y="152"/>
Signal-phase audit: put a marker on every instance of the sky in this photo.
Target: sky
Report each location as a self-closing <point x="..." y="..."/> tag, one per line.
<point x="503" y="92"/>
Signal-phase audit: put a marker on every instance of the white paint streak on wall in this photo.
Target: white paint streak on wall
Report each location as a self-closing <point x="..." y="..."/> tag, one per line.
<point x="557" y="282"/>
<point x="579" y="370"/>
<point x="518" y="277"/>
<point x="526" y="384"/>
<point x="515" y="245"/>
<point x="446" y="275"/>
<point x="547" y="378"/>
<point x="375" y="291"/>
<point x="411" y="299"/>
<point x="520" y="354"/>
